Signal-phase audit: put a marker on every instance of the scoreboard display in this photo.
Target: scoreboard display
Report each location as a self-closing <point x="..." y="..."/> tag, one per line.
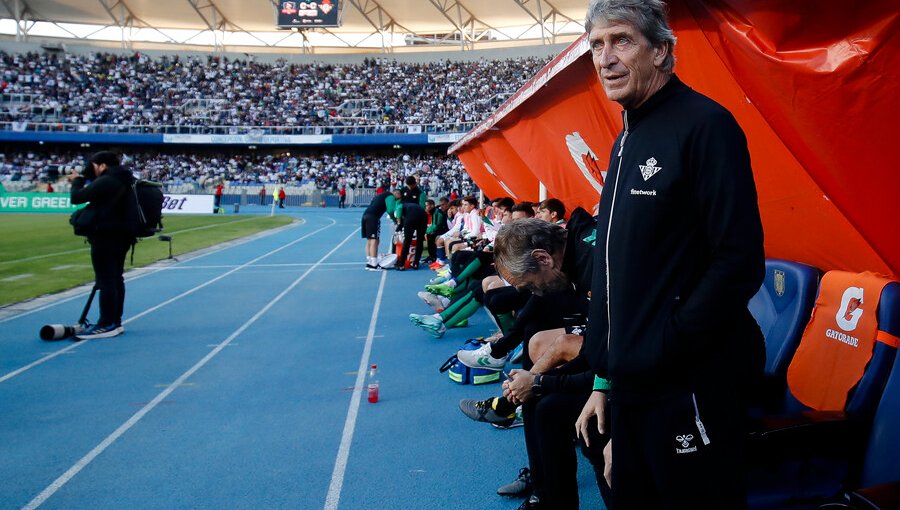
<point x="322" y="13"/>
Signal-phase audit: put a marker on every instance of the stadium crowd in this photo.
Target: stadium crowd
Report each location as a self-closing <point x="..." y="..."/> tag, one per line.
<point x="106" y="88"/>
<point x="438" y="173"/>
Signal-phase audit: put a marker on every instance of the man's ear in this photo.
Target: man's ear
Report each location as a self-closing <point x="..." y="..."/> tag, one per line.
<point x="660" y="53"/>
<point x="543" y="257"/>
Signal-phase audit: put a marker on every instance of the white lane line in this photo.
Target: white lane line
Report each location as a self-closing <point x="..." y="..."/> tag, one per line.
<point x="110" y="439"/>
<point x="164" y="303"/>
<point x="340" y="464"/>
<point x="17" y="277"/>
<point x="214" y="225"/>
<point x="290" y="265"/>
<point x="79" y="250"/>
<point x="135" y="274"/>
<point x="45" y="256"/>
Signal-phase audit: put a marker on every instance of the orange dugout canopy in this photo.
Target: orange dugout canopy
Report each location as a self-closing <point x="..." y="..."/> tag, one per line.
<point x="814" y="85"/>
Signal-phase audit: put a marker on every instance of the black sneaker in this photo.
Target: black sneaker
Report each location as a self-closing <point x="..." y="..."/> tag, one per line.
<point x="370" y="267"/>
<point x="481" y="410"/>
<point x="532" y="503"/>
<point x="519" y="487"/>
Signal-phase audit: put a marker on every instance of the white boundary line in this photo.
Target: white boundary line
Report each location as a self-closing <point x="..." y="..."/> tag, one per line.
<point x="47" y="358"/>
<point x="110" y="439"/>
<point x="134" y="274"/>
<point x="290" y="265"/>
<point x="61" y="253"/>
<point x="340" y="464"/>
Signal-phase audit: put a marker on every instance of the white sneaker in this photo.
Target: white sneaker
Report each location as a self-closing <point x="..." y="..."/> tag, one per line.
<point x="481" y="358"/>
<point x="433" y="301"/>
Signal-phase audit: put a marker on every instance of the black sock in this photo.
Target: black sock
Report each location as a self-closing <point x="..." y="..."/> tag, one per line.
<point x="504" y="407"/>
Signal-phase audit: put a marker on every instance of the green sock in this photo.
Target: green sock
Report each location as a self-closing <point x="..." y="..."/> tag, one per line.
<point x="464" y="312"/>
<point x="455" y="306"/>
<point x="466" y="273"/>
<point x="506" y="321"/>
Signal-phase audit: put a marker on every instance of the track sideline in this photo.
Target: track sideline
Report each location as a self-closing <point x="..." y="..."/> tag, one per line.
<point x="340" y="464"/>
<point x="109" y="440"/>
<point x="135" y="274"/>
<point x="152" y="309"/>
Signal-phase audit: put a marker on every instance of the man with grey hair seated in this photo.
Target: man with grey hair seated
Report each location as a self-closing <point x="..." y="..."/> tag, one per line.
<point x="680" y="255"/>
<point x="555" y="264"/>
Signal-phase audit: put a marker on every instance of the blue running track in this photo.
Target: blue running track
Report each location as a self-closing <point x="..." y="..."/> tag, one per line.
<point x="237" y="385"/>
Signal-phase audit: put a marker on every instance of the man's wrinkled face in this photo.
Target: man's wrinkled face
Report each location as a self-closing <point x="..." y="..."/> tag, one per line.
<point x="626" y="62"/>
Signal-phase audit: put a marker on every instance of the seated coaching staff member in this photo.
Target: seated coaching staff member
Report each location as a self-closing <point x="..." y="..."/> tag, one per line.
<point x="109" y="237"/>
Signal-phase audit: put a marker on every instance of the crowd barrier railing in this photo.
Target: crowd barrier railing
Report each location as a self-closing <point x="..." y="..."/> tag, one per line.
<point x="146" y="129"/>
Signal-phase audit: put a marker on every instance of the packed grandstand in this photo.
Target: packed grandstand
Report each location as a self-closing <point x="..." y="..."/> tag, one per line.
<point x="171" y="91"/>
<point x="121" y="93"/>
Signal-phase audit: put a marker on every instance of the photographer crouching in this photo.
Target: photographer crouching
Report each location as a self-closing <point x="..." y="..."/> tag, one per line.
<point x="103" y="185"/>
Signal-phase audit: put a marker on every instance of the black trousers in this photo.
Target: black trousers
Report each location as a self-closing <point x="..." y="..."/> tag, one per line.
<point x="662" y="460"/>
<point x="432" y="245"/>
<point x="540" y="313"/>
<point x="411" y="226"/>
<point x="551" y="444"/>
<point x="108" y="258"/>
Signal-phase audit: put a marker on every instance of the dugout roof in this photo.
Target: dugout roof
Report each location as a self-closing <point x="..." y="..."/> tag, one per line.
<point x="462" y="23"/>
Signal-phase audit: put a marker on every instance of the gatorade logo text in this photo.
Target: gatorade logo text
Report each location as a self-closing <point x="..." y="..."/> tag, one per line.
<point x="848" y="316"/>
<point x="850" y="312"/>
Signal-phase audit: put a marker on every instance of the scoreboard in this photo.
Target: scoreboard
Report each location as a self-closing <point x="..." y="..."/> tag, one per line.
<point x="322" y="13"/>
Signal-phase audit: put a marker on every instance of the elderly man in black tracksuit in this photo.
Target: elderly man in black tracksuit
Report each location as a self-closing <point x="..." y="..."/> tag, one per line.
<point x="669" y="334"/>
<point x="556" y="265"/>
<point x="108" y="235"/>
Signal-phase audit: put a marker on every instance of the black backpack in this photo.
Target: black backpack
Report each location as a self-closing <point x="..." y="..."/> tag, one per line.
<point x="144" y="208"/>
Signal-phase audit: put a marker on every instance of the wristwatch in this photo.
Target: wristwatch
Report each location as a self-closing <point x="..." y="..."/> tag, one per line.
<point x="536" y="385"/>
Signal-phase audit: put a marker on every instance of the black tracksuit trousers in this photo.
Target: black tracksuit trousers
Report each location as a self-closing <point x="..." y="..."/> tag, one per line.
<point x="108" y="258"/>
<point x="551" y="443"/>
<point x="662" y="460"/>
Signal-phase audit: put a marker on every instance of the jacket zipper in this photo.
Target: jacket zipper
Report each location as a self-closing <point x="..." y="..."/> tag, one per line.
<point x="699" y="423"/>
<point x="612" y="208"/>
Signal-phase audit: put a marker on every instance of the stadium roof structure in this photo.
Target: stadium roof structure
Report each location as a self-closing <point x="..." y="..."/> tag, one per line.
<point x="366" y="25"/>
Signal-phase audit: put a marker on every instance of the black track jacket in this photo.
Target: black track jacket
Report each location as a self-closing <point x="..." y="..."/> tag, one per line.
<point x="679" y="251"/>
<point x="106" y="195"/>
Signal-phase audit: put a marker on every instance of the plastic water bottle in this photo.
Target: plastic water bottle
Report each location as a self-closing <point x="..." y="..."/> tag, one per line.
<point x="373" y="384"/>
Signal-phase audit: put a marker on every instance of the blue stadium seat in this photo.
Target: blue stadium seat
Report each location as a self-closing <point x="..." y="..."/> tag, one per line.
<point x="880" y="474"/>
<point x="803" y="457"/>
<point x="782" y="308"/>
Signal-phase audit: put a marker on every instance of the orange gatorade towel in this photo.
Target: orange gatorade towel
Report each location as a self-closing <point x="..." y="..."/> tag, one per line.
<point x="838" y="341"/>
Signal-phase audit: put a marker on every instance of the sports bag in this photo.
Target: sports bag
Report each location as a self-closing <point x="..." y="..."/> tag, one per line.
<point x="144" y="208"/>
<point x="83" y="221"/>
<point x="462" y="374"/>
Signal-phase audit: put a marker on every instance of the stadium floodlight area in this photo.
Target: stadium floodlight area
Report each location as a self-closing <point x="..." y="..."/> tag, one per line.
<point x="329" y="26"/>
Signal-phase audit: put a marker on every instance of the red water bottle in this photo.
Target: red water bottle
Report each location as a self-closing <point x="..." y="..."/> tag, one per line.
<point x="373" y="384"/>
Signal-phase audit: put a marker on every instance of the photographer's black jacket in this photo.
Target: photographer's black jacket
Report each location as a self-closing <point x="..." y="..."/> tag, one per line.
<point x="680" y="250"/>
<point x="106" y="196"/>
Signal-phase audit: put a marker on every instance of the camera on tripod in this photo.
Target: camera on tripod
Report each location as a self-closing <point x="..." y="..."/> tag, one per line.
<point x="61" y="331"/>
<point x="51" y="332"/>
